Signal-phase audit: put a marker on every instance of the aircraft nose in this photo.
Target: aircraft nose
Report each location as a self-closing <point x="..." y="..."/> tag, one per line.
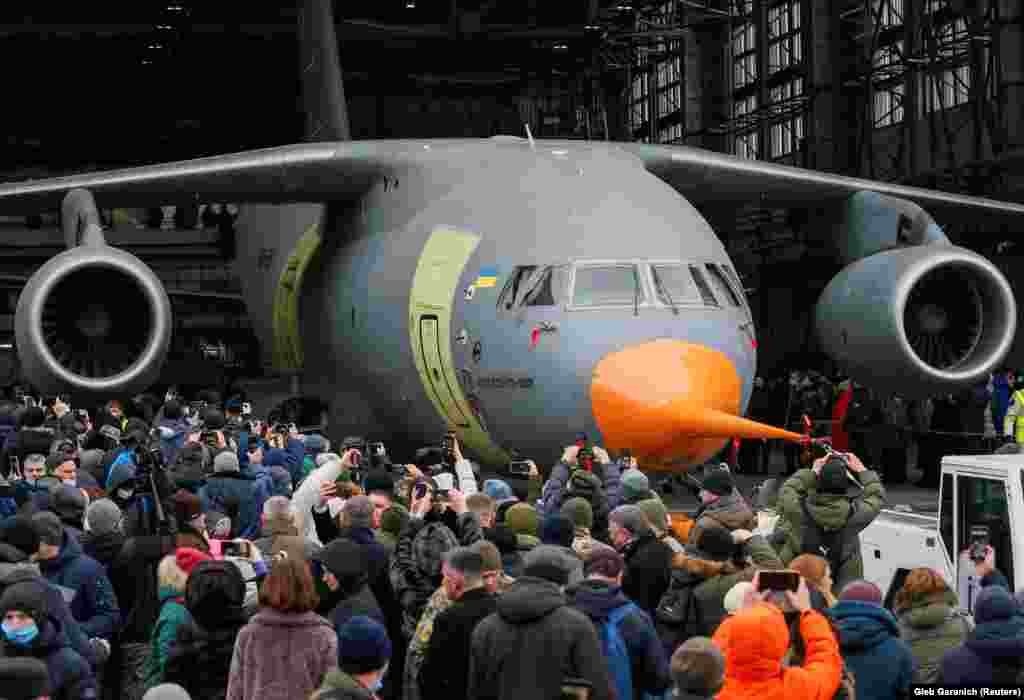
<point x="671" y="399"/>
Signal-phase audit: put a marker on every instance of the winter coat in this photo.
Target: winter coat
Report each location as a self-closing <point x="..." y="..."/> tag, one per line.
<point x="869" y="638"/>
<point x="554" y="492"/>
<point x="360" y="603"/>
<point x="71" y="678"/>
<point x="172" y="615"/>
<point x="172" y="437"/>
<point x="446" y="665"/>
<point x="200" y="659"/>
<point x="93" y="602"/>
<point x="754" y="643"/>
<point x="420" y="642"/>
<point x="412" y="585"/>
<point x="710" y="582"/>
<point x="133" y="574"/>
<point x="648" y="661"/>
<point x="281" y="535"/>
<point x="102" y="548"/>
<point x="338" y="685"/>
<point x="972" y="664"/>
<point x="563" y="557"/>
<point x="731" y="512"/>
<point x="831" y="511"/>
<point x="648" y="571"/>
<point x="240" y="497"/>
<point x="290" y="458"/>
<point x="307" y="495"/>
<point x="932" y="626"/>
<point x="531" y="644"/>
<point x="281" y="656"/>
<point x="15" y="567"/>
<point x="1000" y="400"/>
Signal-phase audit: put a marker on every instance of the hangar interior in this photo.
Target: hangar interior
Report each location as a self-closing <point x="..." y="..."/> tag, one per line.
<point x="921" y="92"/>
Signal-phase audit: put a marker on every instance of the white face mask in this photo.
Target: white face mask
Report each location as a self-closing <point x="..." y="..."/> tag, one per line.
<point x="126" y="493"/>
<point x="69" y="482"/>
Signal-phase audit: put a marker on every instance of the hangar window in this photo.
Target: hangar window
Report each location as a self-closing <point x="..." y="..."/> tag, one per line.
<point x="702" y="286"/>
<point x="674" y="285"/>
<point x="608" y="285"/>
<point x="516" y="287"/>
<point x="721" y="284"/>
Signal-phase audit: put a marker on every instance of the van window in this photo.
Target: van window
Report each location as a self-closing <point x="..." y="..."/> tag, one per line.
<point x="984" y="502"/>
<point x="608" y="285"/>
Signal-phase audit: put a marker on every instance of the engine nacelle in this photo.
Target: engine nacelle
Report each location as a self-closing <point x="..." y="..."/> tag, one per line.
<point x="94" y="320"/>
<point x="919" y="320"/>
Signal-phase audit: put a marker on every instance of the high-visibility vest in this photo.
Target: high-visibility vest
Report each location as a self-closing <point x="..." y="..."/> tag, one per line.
<point x="1013" y="424"/>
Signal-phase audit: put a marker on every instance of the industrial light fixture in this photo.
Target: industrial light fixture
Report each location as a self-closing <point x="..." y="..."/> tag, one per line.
<point x="6" y="346"/>
<point x="561" y="47"/>
<point x="410" y="4"/>
<point x="175" y="8"/>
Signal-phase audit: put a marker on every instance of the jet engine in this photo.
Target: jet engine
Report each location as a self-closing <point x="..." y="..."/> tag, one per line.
<point x="94" y="320"/>
<point x="919" y="320"/>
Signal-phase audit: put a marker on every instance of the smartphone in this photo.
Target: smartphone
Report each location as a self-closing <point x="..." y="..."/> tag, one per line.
<point x="519" y="468"/>
<point x="246" y="408"/>
<point x="980" y="538"/>
<point x="778" y="581"/>
<point x="234" y="548"/>
<point x="420" y="490"/>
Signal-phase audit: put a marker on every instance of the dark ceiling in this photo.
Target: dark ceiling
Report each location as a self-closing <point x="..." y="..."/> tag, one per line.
<point x="96" y="84"/>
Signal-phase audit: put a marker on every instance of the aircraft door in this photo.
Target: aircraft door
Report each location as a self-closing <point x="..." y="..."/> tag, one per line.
<point x="438" y="378"/>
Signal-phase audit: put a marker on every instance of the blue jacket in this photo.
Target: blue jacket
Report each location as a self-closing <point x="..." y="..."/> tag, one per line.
<point x="172" y="436"/>
<point x="649" y="664"/>
<point x="127" y="458"/>
<point x="869" y="640"/>
<point x="992" y="643"/>
<point x="240" y="496"/>
<point x="290" y="458"/>
<point x="92" y="600"/>
<point x="1000" y="400"/>
<point x="71" y="678"/>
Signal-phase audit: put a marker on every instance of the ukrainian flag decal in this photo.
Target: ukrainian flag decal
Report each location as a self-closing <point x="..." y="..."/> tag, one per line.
<point x="488" y="277"/>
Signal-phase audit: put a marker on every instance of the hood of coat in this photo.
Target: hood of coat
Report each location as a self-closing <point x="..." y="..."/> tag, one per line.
<point x="863" y="626"/>
<point x="70" y="550"/>
<point x="339" y="680"/>
<point x="103" y="548"/>
<point x="758" y="640"/>
<point x="596" y="598"/>
<point x="929" y="610"/>
<point x="529" y="599"/>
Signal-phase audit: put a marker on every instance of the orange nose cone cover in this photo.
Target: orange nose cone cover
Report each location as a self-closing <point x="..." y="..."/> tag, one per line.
<point x="671" y="399"/>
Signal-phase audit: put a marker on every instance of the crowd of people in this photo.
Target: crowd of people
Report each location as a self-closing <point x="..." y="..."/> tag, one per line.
<point x="183" y="550"/>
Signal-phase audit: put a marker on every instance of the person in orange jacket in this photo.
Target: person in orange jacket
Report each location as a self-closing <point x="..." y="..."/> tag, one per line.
<point x="754" y="642"/>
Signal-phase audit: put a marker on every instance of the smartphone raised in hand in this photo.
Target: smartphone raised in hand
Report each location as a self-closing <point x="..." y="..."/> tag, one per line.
<point x="778" y="581"/>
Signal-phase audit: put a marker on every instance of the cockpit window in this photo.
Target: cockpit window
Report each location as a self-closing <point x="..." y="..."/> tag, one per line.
<point x="608" y="285"/>
<point x="516" y="287"/>
<point x="722" y="287"/>
<point x="674" y="284"/>
<point x="540" y="288"/>
<point x="702" y="286"/>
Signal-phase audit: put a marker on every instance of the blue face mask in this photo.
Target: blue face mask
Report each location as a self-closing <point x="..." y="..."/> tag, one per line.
<point x="378" y="684"/>
<point x="21" y="637"/>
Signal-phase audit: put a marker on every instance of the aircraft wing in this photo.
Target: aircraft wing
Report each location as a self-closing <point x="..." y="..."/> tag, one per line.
<point x="312" y="172"/>
<point x="708" y="177"/>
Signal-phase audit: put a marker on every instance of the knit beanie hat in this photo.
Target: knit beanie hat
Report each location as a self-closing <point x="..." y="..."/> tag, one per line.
<point x="558" y="530"/>
<point x="718" y="482"/>
<point x="994" y="603"/>
<point x="392" y="520"/>
<point x="214" y="593"/>
<point x="225" y="462"/>
<point x="655" y="512"/>
<point x="635" y="485"/>
<point x="630" y="518"/>
<point x="833" y="477"/>
<point x="187" y="506"/>
<point x="363" y="646"/>
<point x="21" y="534"/>
<point x="579" y="511"/>
<point x="379" y="481"/>
<point x="49" y="527"/>
<point x="167" y="691"/>
<point x="69" y="502"/>
<point x="102" y="517"/>
<point x="734" y="598"/>
<point x="359" y="511"/>
<point x="523" y="519"/>
<point x="28" y="597"/>
<point x="498" y="490"/>
<point x="23" y="678"/>
<point x="863" y="591"/>
<point x="490" y="555"/>
<point x="188" y="558"/>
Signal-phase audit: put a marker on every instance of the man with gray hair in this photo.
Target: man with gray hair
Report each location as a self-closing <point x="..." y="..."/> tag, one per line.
<point x="28" y="488"/>
<point x="446" y="664"/>
<point x="280" y="532"/>
<point x="648" y="560"/>
<point x="698" y="669"/>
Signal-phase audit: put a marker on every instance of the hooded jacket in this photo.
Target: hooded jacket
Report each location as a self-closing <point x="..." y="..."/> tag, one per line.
<point x="754" y="642"/>
<point x="832" y="512"/>
<point x="93" y="603"/>
<point x="869" y="638"/>
<point x="648" y="663"/>
<point x="281" y="656"/>
<point x="338" y="685"/>
<point x="993" y="643"/>
<point x="731" y="512"/>
<point x="103" y="548"/>
<point x="172" y="615"/>
<point x="531" y="644"/>
<point x="200" y="658"/>
<point x="648" y="571"/>
<point x="71" y="678"/>
<point x="932" y="626"/>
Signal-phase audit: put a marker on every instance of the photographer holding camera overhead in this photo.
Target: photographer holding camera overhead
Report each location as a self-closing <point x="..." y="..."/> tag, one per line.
<point x="286" y="449"/>
<point x="824" y="510"/>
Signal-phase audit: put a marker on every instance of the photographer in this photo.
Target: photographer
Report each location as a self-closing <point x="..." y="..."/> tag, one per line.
<point x="286" y="450"/>
<point x="309" y="492"/>
<point x="240" y="496"/>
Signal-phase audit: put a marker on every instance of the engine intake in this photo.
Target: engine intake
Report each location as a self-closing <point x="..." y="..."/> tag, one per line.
<point x="93" y="320"/>
<point x="918" y="321"/>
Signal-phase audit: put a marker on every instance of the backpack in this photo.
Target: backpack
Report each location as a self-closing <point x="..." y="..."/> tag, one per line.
<point x="617" y="653"/>
<point x="827" y="544"/>
<point x="677" y="617"/>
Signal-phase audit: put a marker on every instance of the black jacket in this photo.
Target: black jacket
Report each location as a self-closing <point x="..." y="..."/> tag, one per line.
<point x="133" y="575"/>
<point x="362" y="603"/>
<point x="648" y="661"/>
<point x="102" y="548"/>
<point x="446" y="663"/>
<point x="200" y="659"/>
<point x="531" y="644"/>
<point x="648" y="571"/>
<point x="71" y="678"/>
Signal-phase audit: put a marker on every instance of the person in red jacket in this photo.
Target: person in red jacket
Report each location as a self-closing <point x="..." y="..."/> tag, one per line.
<point x="754" y="642"/>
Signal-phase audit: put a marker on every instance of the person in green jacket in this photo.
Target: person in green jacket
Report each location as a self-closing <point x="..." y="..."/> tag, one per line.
<point x="834" y="502"/>
<point x="931" y="621"/>
<point x="172" y="579"/>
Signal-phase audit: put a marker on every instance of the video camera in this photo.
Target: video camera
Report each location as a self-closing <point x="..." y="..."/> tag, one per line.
<point x="436" y="460"/>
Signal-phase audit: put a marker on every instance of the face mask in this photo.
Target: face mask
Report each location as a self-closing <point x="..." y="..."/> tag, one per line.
<point x="22" y="637"/>
<point x="68" y="482"/>
<point x="377" y="685"/>
<point x="125" y="494"/>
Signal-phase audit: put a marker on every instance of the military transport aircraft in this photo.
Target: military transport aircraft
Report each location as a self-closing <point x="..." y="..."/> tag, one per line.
<point x="517" y="291"/>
